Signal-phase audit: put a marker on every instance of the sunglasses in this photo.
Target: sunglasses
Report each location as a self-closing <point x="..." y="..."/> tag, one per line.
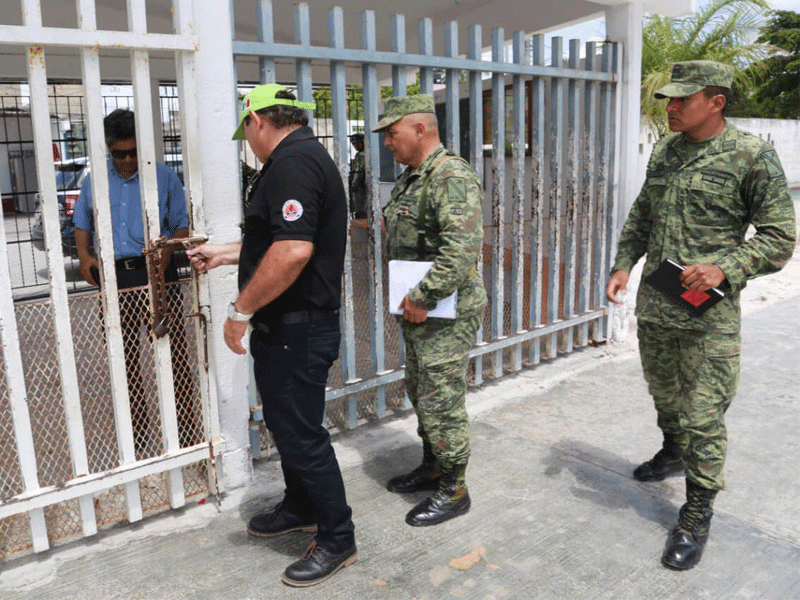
<point x="120" y="154"/>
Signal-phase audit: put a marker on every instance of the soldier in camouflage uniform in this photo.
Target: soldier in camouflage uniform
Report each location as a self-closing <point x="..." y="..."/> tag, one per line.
<point x="357" y="180"/>
<point x="440" y="196"/>
<point x="706" y="183"/>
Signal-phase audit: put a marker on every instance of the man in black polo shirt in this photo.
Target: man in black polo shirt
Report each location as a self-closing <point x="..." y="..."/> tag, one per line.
<point x="290" y="268"/>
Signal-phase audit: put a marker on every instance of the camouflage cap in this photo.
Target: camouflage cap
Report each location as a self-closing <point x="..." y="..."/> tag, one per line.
<point x="690" y="77"/>
<point x="398" y="107"/>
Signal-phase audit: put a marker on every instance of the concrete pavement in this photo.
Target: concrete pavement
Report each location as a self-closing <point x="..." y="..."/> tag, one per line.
<point x="555" y="511"/>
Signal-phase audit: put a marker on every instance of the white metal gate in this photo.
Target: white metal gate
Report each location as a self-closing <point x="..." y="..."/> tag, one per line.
<point x="549" y="123"/>
<point x="68" y="464"/>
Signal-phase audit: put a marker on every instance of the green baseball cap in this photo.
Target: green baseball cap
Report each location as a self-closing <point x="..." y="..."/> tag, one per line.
<point x="690" y="77"/>
<point x="263" y="96"/>
<point x="398" y="107"/>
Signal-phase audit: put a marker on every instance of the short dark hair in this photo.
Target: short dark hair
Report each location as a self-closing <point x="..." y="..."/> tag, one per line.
<point x="119" y="125"/>
<point x="282" y="115"/>
<point x="715" y="90"/>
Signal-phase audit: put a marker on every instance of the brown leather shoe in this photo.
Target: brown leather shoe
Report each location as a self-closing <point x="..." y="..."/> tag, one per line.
<point x="317" y="565"/>
<point x="278" y="522"/>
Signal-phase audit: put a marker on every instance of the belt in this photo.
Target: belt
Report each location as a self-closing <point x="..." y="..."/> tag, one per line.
<point x="133" y="263"/>
<point x="292" y="318"/>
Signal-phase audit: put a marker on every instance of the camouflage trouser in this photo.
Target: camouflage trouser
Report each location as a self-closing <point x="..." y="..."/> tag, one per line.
<point x="437" y="356"/>
<point x="692" y="376"/>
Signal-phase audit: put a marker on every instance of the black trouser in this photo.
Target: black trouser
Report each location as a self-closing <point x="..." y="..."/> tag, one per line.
<point x="291" y="369"/>
<point x="134" y="315"/>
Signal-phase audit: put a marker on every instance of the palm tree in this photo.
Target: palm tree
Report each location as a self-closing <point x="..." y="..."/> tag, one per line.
<point x="722" y="30"/>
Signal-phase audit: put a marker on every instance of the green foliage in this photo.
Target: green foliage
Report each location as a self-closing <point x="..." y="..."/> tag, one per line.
<point x="355" y="103"/>
<point x="777" y="90"/>
<point x="719" y="31"/>
<point x="355" y="100"/>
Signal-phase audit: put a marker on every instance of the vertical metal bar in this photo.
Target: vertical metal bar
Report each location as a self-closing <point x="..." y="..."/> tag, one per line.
<point x="340" y="155"/>
<point x="556" y="155"/>
<point x="597" y="329"/>
<point x="611" y="210"/>
<point x="426" y="49"/>
<point x="371" y="96"/>
<point x="498" y="194"/>
<point x="453" y="130"/>
<point x="266" y="34"/>
<point x="18" y="397"/>
<point x="399" y="89"/>
<point x="302" y="37"/>
<point x="148" y="186"/>
<point x="589" y="136"/>
<point x="96" y="150"/>
<point x="48" y="202"/>
<point x="193" y="182"/>
<point x="137" y="16"/>
<point x="571" y="196"/>
<point x="476" y="147"/>
<point x="20" y="415"/>
<point x="398" y="27"/>
<point x="518" y="199"/>
<point x="537" y="194"/>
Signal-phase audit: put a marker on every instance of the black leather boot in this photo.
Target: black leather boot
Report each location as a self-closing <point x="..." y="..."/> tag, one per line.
<point x="667" y="461"/>
<point x="450" y="500"/>
<point x="424" y="477"/>
<point x="280" y="521"/>
<point x="688" y="538"/>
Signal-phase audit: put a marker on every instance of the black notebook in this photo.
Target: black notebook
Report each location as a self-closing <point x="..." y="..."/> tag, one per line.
<point x="666" y="279"/>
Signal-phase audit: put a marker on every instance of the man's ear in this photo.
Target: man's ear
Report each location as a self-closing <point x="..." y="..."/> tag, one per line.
<point x="719" y="102"/>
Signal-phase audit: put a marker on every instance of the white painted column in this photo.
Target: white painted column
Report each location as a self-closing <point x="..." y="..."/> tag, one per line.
<point x="223" y="213"/>
<point x="624" y="24"/>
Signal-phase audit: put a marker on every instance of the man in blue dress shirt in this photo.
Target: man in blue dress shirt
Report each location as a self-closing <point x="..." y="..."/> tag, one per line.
<point x="131" y="268"/>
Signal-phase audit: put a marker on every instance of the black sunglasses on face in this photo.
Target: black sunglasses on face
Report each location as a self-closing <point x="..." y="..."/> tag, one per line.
<point x="120" y="154"/>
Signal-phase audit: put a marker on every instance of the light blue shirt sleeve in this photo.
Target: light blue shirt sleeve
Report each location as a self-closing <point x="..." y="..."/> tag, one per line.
<point x="171" y="201"/>
<point x="82" y="216"/>
<point x="126" y="209"/>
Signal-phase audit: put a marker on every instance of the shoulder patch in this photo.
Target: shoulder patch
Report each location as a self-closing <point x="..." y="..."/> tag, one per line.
<point x="773" y="164"/>
<point x="292" y="210"/>
<point x="728" y="145"/>
<point x="456" y="189"/>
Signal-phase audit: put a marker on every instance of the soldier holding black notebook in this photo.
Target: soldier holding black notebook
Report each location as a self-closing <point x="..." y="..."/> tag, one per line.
<point x="706" y="183"/>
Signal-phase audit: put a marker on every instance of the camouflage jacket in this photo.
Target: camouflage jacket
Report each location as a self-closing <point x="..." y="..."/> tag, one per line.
<point x="695" y="206"/>
<point x="454" y="225"/>
<point x="358" y="183"/>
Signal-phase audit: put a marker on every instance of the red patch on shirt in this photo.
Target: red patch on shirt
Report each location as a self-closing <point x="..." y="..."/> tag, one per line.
<point x="292" y="210"/>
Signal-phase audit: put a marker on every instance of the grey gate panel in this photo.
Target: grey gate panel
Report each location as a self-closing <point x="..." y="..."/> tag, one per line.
<point x="540" y="133"/>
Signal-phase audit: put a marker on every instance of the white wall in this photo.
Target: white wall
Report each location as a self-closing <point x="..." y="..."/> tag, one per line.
<point x="784" y="134"/>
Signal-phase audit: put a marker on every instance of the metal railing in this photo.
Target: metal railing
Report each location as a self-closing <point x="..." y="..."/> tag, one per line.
<point x="21" y="214"/>
<point x="548" y="125"/>
<point x="100" y="421"/>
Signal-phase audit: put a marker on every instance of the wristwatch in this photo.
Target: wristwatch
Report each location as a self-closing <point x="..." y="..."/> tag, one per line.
<point x="235" y="315"/>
